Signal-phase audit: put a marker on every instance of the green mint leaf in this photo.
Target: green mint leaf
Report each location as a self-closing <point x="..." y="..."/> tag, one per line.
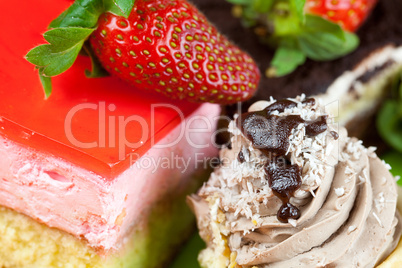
<point x="125" y="6"/>
<point x="323" y="40"/>
<point x="46" y="83"/>
<point x="82" y="13"/>
<point x="110" y="6"/>
<point x="317" y="24"/>
<point x="60" y="54"/>
<point x="389" y="124"/>
<point x="286" y="60"/>
<point x="97" y="69"/>
<point x="298" y="6"/>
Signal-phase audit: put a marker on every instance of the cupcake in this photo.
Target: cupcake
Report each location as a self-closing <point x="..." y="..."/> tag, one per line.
<point x="295" y="190"/>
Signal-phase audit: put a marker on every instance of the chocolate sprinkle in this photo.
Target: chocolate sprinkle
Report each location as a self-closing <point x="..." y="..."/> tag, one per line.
<point x="335" y="135"/>
<point x="240" y="157"/>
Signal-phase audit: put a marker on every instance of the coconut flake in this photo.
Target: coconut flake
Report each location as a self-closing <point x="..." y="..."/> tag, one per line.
<point x="339" y="191"/>
<point x="292" y="222"/>
<point x="386" y="165"/>
<point x="378" y="219"/>
<point x="379" y="202"/>
<point x="351" y="228"/>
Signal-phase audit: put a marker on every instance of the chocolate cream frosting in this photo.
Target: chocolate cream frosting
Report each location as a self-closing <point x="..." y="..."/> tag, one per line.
<point x="347" y="200"/>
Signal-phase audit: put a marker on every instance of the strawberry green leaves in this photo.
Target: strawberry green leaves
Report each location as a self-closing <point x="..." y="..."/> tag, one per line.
<point x="323" y="40"/>
<point x="316" y="38"/>
<point x="298" y="6"/>
<point x="63" y="48"/>
<point x="249" y="10"/>
<point x="83" y="13"/>
<point x="46" y="83"/>
<point x="97" y="69"/>
<point x="125" y="6"/>
<point x="287" y="57"/>
<point x="56" y="57"/>
<point x="67" y="35"/>
<point x="119" y="7"/>
<point x="286" y="21"/>
<point x="59" y="55"/>
<point x="327" y="46"/>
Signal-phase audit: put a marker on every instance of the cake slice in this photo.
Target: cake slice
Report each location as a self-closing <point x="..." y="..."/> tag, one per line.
<point x="96" y="175"/>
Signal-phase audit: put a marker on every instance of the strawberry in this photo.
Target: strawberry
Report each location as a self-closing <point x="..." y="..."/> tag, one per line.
<point x="166" y="46"/>
<point x="170" y="47"/>
<point x="350" y="14"/>
<point x="299" y="29"/>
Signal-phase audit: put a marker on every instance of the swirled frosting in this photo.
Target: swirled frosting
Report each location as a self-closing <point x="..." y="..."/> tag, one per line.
<point x="347" y="201"/>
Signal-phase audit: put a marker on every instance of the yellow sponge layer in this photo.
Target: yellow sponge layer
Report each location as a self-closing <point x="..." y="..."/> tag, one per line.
<point x="27" y="243"/>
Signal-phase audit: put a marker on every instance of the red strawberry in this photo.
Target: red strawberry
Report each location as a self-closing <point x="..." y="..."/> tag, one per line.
<point x="166" y="46"/>
<point x="320" y="30"/>
<point x="169" y="46"/>
<point x="350" y="14"/>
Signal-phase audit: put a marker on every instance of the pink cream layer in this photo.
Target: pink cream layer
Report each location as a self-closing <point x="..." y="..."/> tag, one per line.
<point x="103" y="211"/>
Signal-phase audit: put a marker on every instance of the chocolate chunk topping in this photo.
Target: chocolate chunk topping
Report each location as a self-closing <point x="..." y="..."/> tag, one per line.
<point x="280" y="106"/>
<point x="317" y="127"/>
<point x="288" y="211"/>
<point x="335" y="135"/>
<point x="242" y="154"/>
<point x="284" y="179"/>
<point x="240" y="157"/>
<point x="270" y="134"/>
<point x="309" y="101"/>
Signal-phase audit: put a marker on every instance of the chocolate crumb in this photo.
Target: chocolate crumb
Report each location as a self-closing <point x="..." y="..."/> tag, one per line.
<point x="335" y="135"/>
<point x="240" y="157"/>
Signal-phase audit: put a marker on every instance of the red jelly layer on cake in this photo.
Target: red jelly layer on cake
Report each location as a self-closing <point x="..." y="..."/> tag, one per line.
<point x="95" y="123"/>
